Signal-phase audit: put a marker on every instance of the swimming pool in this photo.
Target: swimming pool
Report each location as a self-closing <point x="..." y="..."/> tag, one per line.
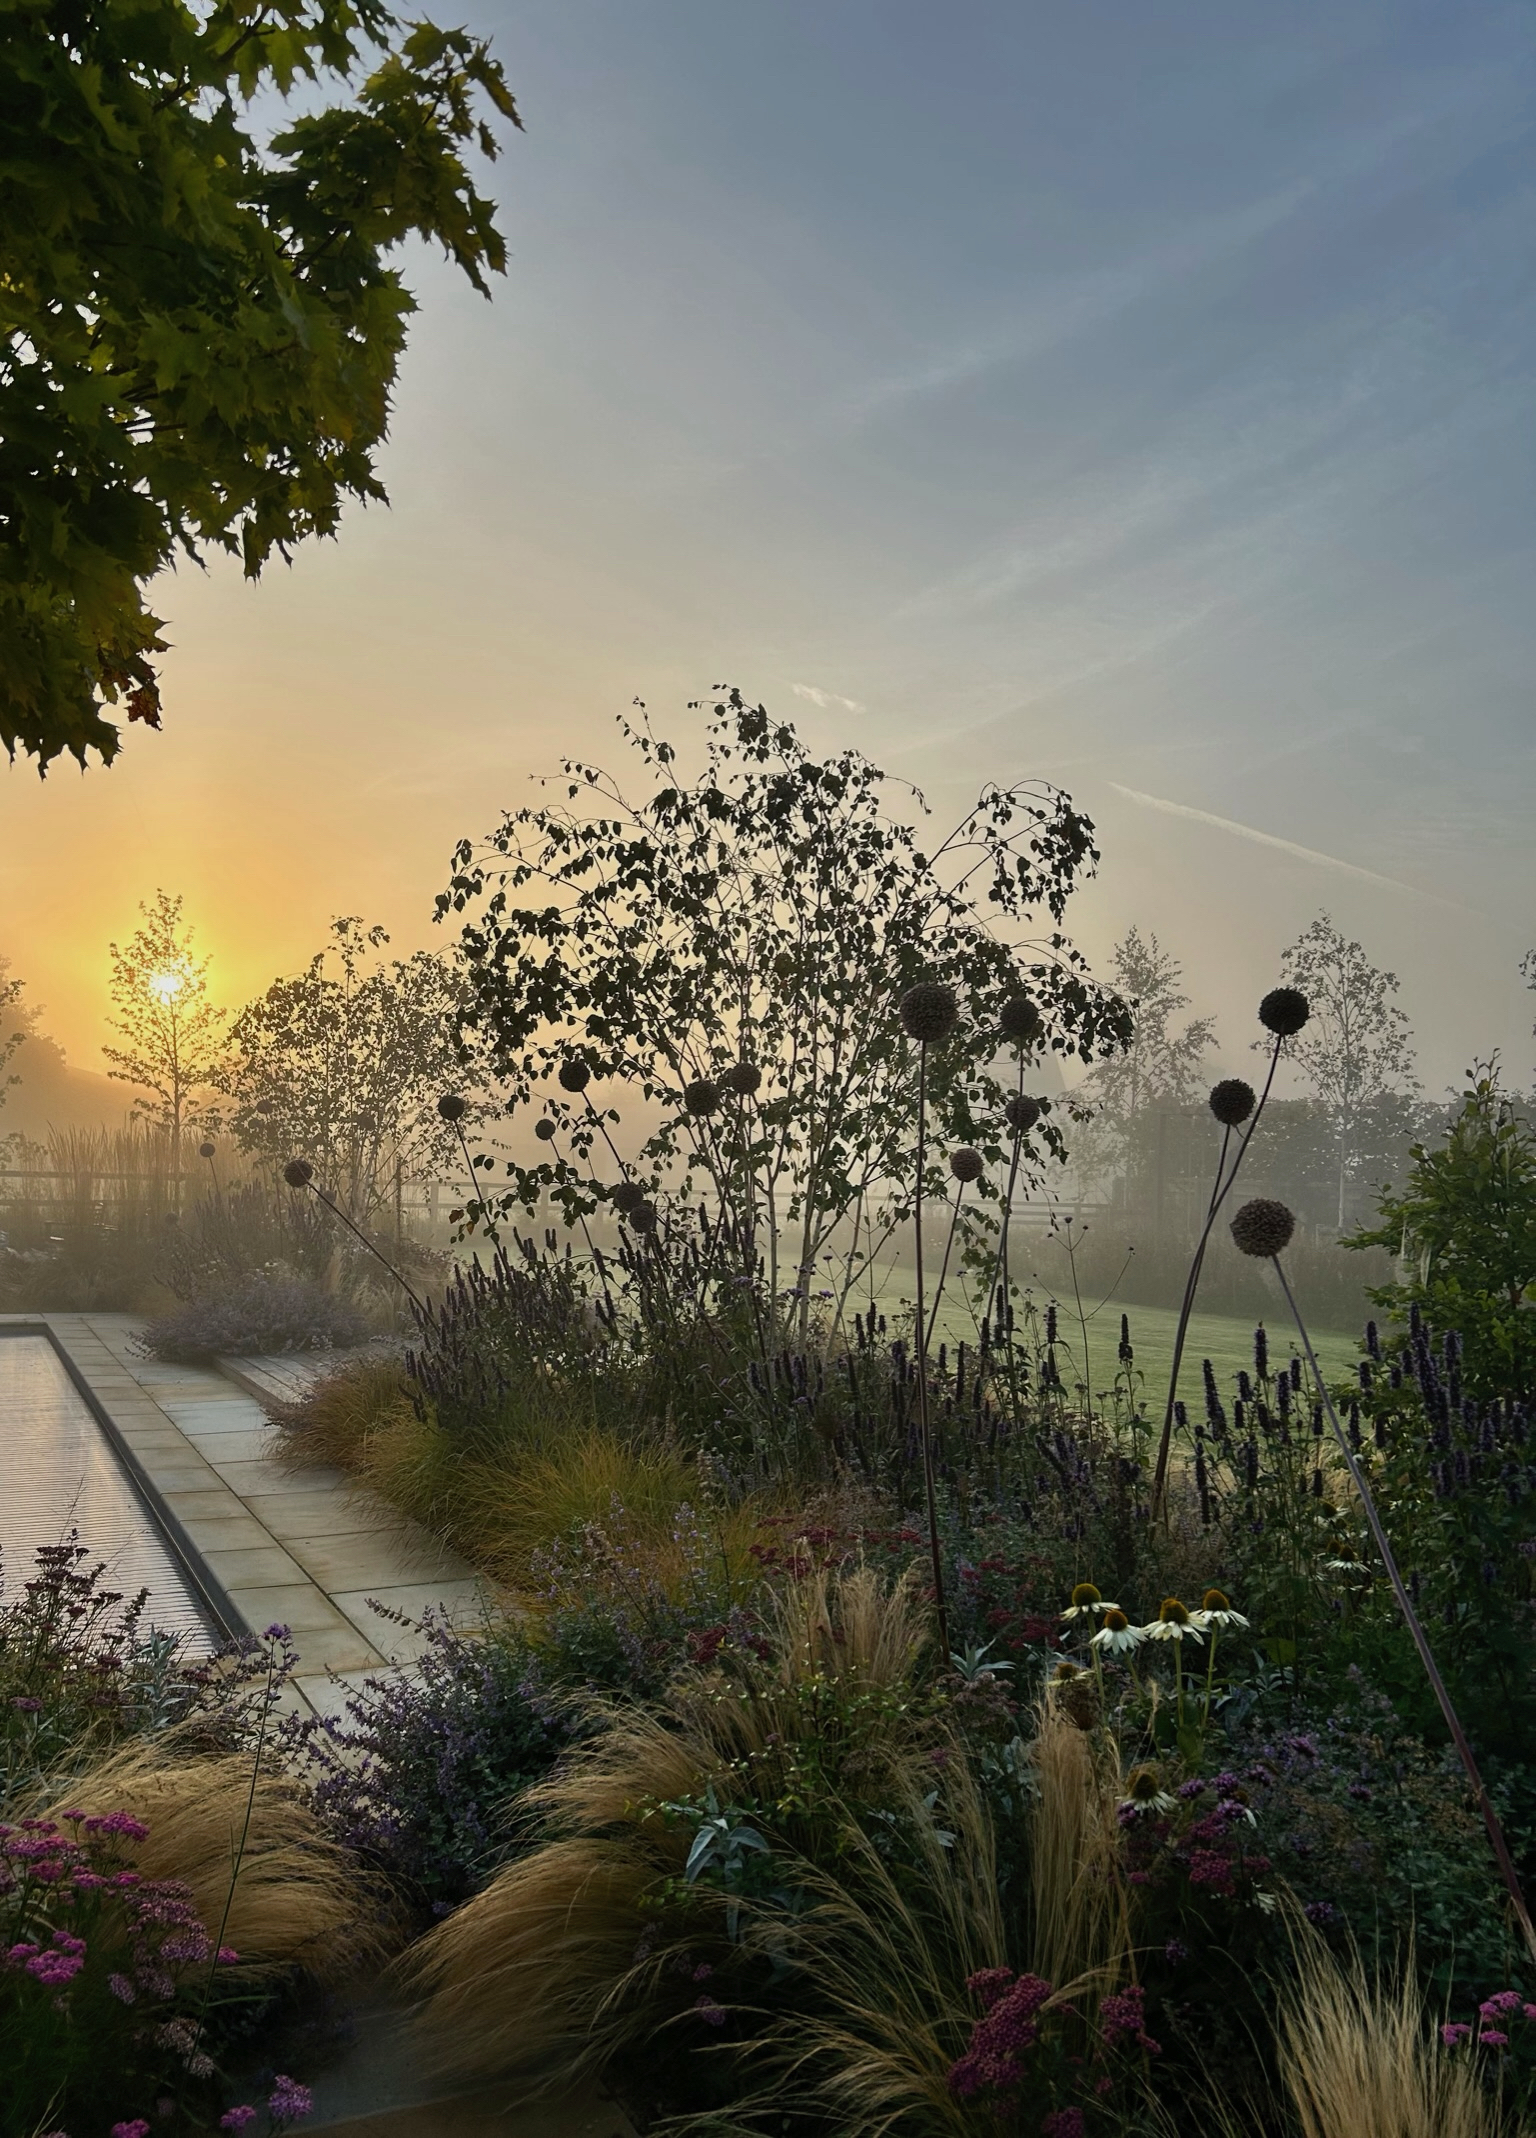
<point x="60" y="1471"/>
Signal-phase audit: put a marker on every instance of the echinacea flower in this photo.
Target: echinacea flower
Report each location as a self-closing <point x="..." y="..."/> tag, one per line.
<point x="1146" y="1794"/>
<point x="1173" y="1623"/>
<point x="1216" y="1611"/>
<point x="1117" y="1636"/>
<point x="1087" y="1602"/>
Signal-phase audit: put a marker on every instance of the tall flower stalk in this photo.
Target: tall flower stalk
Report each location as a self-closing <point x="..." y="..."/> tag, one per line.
<point x="929" y="1013"/>
<point x="300" y="1174"/>
<point x="1263" y="1228"/>
<point x="1283" y="1012"/>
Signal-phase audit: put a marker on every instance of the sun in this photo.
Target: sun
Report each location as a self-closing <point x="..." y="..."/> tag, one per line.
<point x="166" y="986"/>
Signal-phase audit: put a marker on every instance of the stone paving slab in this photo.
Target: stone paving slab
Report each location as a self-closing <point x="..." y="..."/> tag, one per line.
<point x="303" y="1549"/>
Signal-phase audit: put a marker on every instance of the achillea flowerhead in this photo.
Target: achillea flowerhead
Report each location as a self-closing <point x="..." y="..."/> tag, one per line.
<point x="1232" y="1101"/>
<point x="1284" y="1011"/>
<point x="1020" y="1021"/>
<point x="452" y="1107"/>
<point x="574" y="1076"/>
<point x="1021" y="1113"/>
<point x="702" y="1097"/>
<point x="744" y="1078"/>
<point x="929" y="1012"/>
<point x="967" y="1164"/>
<point x="298" y="1172"/>
<point x="1263" y="1227"/>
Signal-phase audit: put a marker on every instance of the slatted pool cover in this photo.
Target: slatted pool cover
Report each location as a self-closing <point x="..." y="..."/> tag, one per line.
<point x="58" y="1471"/>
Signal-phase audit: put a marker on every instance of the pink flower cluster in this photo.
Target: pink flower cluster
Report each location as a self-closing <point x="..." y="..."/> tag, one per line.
<point x="999" y="2041"/>
<point x="1494" y="2018"/>
<point x="1123" y="2017"/>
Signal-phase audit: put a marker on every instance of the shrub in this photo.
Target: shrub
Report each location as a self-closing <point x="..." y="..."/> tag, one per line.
<point x="421" y="1777"/>
<point x="263" y="1314"/>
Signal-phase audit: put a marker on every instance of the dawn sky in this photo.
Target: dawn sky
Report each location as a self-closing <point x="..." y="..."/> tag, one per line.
<point x="1139" y="398"/>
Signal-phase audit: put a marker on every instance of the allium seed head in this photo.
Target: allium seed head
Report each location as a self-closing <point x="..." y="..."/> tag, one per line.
<point x="298" y="1172"/>
<point x="266" y="1106"/>
<point x="452" y="1107"/>
<point x="743" y="1077"/>
<point x="1021" y="1113"/>
<point x="1284" y="1011"/>
<point x="1263" y="1227"/>
<point x="205" y="1150"/>
<point x="1232" y="1101"/>
<point x="1020" y="1021"/>
<point x="967" y="1164"/>
<point x="783" y="965"/>
<point x="627" y="1196"/>
<point x="702" y="1096"/>
<point x="643" y="1217"/>
<point x="574" y="1076"/>
<point x="544" y="1130"/>
<point x="929" y="1012"/>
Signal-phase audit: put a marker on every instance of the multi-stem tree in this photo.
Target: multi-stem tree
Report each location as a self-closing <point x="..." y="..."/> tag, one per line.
<point x="16" y="1022"/>
<point x="1357" y="1049"/>
<point x="172" y="1034"/>
<point x="1161" y="1067"/>
<point x="766" y="915"/>
<point x="344" y="1062"/>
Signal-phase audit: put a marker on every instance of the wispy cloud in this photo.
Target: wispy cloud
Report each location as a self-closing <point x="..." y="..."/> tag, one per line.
<point x="1268" y="838"/>
<point x="826" y="699"/>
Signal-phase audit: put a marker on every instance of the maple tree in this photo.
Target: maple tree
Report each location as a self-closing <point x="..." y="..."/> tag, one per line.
<point x="199" y="332"/>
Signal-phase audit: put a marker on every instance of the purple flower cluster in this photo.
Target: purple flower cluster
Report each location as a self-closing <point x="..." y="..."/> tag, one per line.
<point x="417" y="1776"/>
<point x="1495" y="2017"/>
<point x="1123" y="2019"/>
<point x="77" y="1919"/>
<point x="1001" y="2039"/>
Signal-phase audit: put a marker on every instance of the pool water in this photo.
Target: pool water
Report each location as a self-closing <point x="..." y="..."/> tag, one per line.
<point x="59" y="1472"/>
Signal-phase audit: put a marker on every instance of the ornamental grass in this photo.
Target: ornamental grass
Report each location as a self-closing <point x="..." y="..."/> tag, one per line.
<point x="242" y="1838"/>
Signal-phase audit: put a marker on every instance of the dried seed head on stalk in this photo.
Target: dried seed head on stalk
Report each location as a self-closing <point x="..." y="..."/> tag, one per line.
<point x="574" y="1076"/>
<point x="1284" y="1011"/>
<point x="744" y="1078"/>
<point x="544" y="1130"/>
<point x="452" y="1107"/>
<point x="1021" y="1113"/>
<point x="1263" y="1227"/>
<point x="702" y="1096"/>
<point x="967" y="1164"/>
<point x="1020" y="1020"/>
<point x="1232" y="1101"/>
<point x="298" y="1172"/>
<point x="929" y="1012"/>
<point x="206" y="1150"/>
<point x="627" y="1197"/>
<point x="643" y="1217"/>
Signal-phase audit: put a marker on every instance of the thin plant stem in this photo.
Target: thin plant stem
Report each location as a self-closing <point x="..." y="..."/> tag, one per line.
<point x="1496" y="1838"/>
<point x="337" y="1211"/>
<point x="474" y="1185"/>
<point x="245" y="1829"/>
<point x="1220" y="1190"/>
<point x="930" y="1483"/>
<point x="944" y="1265"/>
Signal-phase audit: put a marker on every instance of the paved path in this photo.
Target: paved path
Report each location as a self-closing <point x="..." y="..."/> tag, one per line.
<point x="303" y="1549"/>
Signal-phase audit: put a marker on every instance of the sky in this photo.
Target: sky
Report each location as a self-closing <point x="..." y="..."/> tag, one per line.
<point x="1138" y="398"/>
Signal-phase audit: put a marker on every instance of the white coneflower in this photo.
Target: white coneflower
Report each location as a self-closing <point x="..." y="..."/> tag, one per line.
<point x="1117" y="1636"/>
<point x="1173" y="1623"/>
<point x="1215" y="1613"/>
<point x="1146" y="1794"/>
<point x="1087" y="1603"/>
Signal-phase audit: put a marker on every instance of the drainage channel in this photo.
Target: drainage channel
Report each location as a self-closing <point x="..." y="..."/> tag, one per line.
<point x="64" y="1467"/>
